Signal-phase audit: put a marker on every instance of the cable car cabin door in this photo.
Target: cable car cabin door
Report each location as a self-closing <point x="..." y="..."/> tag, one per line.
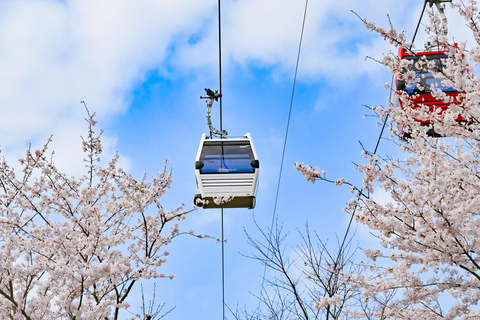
<point x="226" y="168"/>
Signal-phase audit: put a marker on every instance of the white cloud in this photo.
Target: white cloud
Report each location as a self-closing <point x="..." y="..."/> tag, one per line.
<point x="55" y="54"/>
<point x="266" y="33"/>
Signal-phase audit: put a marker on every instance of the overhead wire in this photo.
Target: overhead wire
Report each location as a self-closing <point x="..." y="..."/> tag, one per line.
<point x="223" y="267"/>
<point x="274" y="215"/>
<point x="221" y="129"/>
<point x="377" y="144"/>
<point x="339" y="255"/>
<point x="418" y="24"/>
<point x="220" y="62"/>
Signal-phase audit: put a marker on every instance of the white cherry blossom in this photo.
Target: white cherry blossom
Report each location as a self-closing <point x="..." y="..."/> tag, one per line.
<point x="430" y="230"/>
<point x="73" y="248"/>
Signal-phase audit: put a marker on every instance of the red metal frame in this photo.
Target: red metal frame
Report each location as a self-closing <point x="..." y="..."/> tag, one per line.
<point x="426" y="98"/>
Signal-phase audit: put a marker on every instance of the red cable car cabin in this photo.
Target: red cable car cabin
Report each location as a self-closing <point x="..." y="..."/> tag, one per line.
<point x="423" y="96"/>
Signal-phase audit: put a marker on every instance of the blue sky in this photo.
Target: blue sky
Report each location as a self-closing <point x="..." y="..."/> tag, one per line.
<point x="142" y="65"/>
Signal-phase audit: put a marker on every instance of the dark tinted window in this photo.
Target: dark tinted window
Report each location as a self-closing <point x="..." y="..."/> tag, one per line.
<point x="227" y="156"/>
<point x="426" y="78"/>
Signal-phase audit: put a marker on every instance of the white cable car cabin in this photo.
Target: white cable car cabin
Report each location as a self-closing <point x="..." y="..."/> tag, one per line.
<point x="224" y="168"/>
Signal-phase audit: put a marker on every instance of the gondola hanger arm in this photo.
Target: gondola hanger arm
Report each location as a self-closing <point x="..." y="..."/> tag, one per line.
<point x="441" y="9"/>
<point x="211" y="96"/>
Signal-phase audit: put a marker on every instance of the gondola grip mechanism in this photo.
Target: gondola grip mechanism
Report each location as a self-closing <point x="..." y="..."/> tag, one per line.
<point x="211" y="96"/>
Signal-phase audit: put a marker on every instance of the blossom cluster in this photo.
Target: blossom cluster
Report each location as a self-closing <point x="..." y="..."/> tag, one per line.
<point x="74" y="248"/>
<point x="311" y="174"/>
<point x="429" y="230"/>
<point x="223" y="199"/>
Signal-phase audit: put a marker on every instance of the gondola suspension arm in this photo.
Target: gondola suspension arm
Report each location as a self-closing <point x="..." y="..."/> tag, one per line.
<point x="441" y="9"/>
<point x="211" y="96"/>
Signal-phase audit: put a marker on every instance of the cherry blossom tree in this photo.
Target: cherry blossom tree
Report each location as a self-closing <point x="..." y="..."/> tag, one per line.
<point x="429" y="230"/>
<point x="311" y="283"/>
<point x="305" y="285"/>
<point x="73" y="248"/>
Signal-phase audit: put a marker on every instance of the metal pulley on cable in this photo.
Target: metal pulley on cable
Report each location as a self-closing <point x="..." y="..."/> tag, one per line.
<point x="226" y="169"/>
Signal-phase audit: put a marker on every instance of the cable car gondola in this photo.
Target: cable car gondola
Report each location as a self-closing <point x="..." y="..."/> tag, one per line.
<point x="225" y="168"/>
<point x="420" y="93"/>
